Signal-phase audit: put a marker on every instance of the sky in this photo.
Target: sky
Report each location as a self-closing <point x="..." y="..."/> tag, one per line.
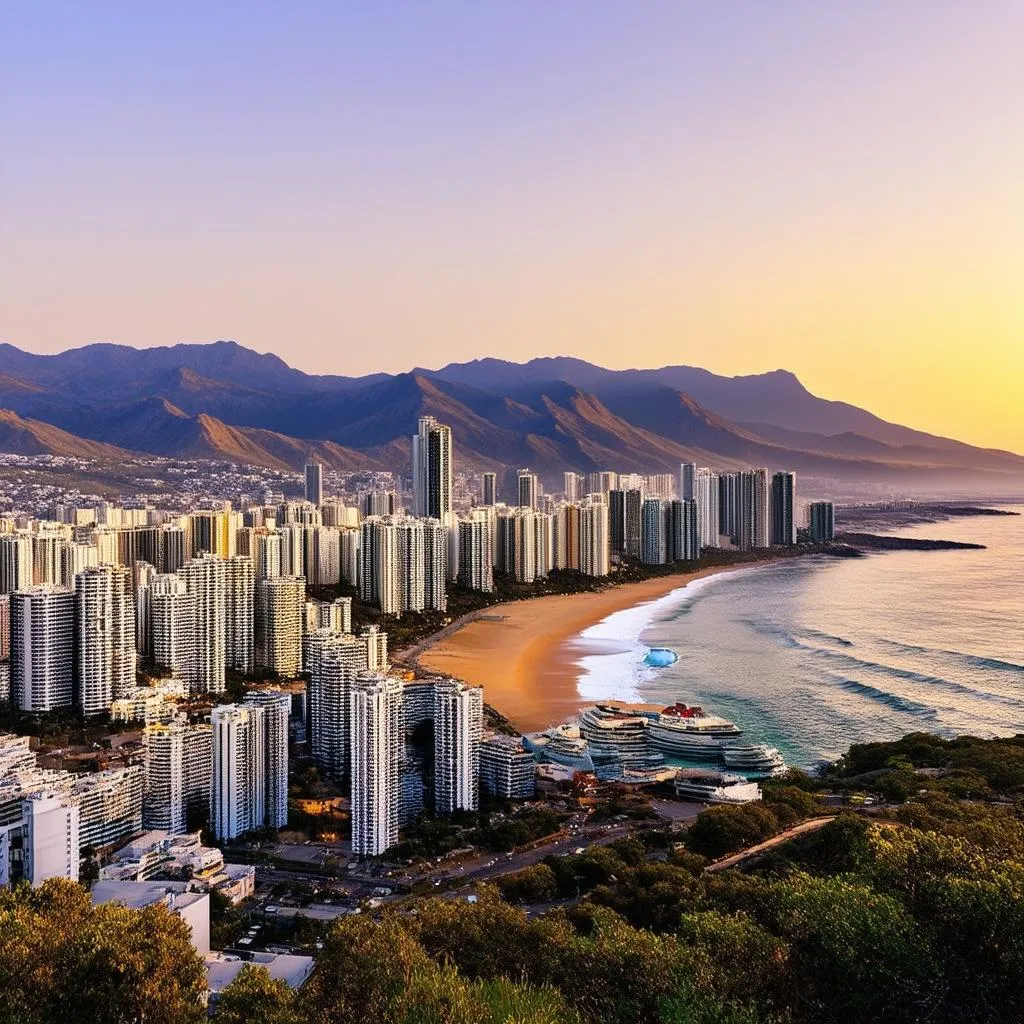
<point x="830" y="187"/>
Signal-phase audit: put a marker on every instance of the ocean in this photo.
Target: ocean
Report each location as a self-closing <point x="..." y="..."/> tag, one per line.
<point x="813" y="654"/>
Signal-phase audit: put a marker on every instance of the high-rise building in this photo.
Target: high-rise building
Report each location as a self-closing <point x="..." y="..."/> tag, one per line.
<point x="682" y="528"/>
<point x="529" y="489"/>
<point x="660" y="485"/>
<point x="654" y="544"/>
<point x="235" y="771"/>
<point x="595" y="547"/>
<point x="205" y="578"/>
<point x="273" y="723"/>
<point x="335" y="615"/>
<point x="432" y="458"/>
<point x="333" y="660"/>
<point x="821" y="521"/>
<point x="267" y="554"/>
<point x="507" y="770"/>
<point x="458" y="728"/>
<point x="632" y="529"/>
<point x="753" y="510"/>
<point x="729" y="506"/>
<point x="173" y="622"/>
<point x="783" y="508"/>
<point x="617" y="520"/>
<point x="314" y="483"/>
<point x="171" y="554"/>
<point x="687" y="480"/>
<point x="42" y="642"/>
<point x="380" y="565"/>
<point x="171" y="772"/>
<point x="280" y="606"/>
<point x="104" y="637"/>
<point x="15" y="562"/>
<point x="475" y="570"/>
<point x="49" y="544"/>
<point x="5" y="626"/>
<point x="524" y="544"/>
<point x="565" y="536"/>
<point x="376" y="743"/>
<point x="490" y="489"/>
<point x="571" y="486"/>
<point x="706" y="496"/>
<point x="51" y="844"/>
<point x="239" y="603"/>
<point x="381" y="503"/>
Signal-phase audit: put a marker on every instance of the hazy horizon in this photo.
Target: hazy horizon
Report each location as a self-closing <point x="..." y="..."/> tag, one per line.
<point x="828" y="189"/>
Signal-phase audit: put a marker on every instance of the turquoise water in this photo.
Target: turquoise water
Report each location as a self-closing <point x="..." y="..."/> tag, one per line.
<point x="815" y="654"/>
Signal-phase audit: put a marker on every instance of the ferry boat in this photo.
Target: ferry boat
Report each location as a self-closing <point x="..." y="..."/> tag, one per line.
<point x="688" y="732"/>
<point x="713" y="787"/>
<point x="562" y="745"/>
<point x="753" y="757"/>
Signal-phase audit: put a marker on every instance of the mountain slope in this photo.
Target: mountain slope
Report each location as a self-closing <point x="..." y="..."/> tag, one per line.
<point x="31" y="437"/>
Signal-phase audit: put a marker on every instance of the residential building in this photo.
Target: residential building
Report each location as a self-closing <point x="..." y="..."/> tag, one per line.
<point x="42" y="645"/>
<point x="104" y="637"/>
<point x="432" y="458"/>
<point x="206" y="580"/>
<point x="458" y="728"/>
<point x="783" y="508"/>
<point x="821" y="517"/>
<point x="314" y="489"/>
<point x="507" y="770"/>
<point x="280" y="606"/>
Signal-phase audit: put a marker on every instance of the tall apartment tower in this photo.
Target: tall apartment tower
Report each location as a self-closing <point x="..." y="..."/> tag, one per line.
<point x="571" y="486"/>
<point x="15" y="562"/>
<point x="42" y="642"/>
<point x="595" y="539"/>
<point x="171" y="548"/>
<point x="178" y="764"/>
<point x="784" y="508"/>
<point x="380" y="566"/>
<point x="821" y="520"/>
<point x="280" y="609"/>
<point x="432" y="458"/>
<point x="377" y="743"/>
<point x="104" y="637"/>
<point x="529" y="491"/>
<point x="336" y="615"/>
<point x="654" y="546"/>
<point x="458" y="729"/>
<point x="475" y="569"/>
<point x="682" y="528"/>
<point x="632" y="523"/>
<point x="173" y="624"/>
<point x="266" y="556"/>
<point x="706" y="496"/>
<point x="314" y="483"/>
<point x="490" y="489"/>
<point x="235" y="771"/>
<point x="753" y="510"/>
<point x="206" y="580"/>
<point x="273" y="723"/>
<point x="239" y="625"/>
<point x="687" y="481"/>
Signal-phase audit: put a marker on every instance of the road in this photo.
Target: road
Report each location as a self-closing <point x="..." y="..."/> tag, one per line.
<point x="812" y="825"/>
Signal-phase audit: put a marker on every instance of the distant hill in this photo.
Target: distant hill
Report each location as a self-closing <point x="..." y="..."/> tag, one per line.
<point x="21" y="436"/>
<point x="225" y="401"/>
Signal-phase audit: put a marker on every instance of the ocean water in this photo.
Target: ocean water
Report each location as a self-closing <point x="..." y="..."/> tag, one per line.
<point x="811" y="655"/>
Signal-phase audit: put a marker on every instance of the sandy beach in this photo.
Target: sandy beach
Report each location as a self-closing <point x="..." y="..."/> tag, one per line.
<point x="518" y="652"/>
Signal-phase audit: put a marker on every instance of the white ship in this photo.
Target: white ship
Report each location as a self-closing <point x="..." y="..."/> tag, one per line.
<point x="753" y="757"/>
<point x="688" y="732"/>
<point x="714" y="787"/>
<point x="562" y="745"/>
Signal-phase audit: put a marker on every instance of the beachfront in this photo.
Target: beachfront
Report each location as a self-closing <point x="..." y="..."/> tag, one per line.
<point x="520" y="652"/>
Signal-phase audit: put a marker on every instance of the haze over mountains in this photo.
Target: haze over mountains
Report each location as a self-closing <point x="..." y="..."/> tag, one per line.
<point x="223" y="401"/>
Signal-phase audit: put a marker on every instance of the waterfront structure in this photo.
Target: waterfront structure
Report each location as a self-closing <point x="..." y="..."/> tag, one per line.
<point x="314" y="489"/>
<point x="280" y="609"/>
<point x="432" y="457"/>
<point x="821" y="516"/>
<point x="507" y="769"/>
<point x="239" y="620"/>
<point x="173" y="623"/>
<point x="489" y="487"/>
<point x="753" y="525"/>
<point x="376" y="742"/>
<point x="458" y="728"/>
<point x="42" y="642"/>
<point x="783" y="508"/>
<point x="205" y="579"/>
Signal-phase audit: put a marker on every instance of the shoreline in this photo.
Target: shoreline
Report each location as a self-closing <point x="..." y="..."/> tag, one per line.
<point x="518" y="651"/>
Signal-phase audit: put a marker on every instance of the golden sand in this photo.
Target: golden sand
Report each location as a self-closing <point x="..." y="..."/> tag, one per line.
<point x="519" y="652"/>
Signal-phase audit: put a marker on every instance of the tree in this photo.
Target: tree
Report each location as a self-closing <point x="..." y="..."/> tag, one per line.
<point x="722" y="830"/>
<point x="255" y="998"/>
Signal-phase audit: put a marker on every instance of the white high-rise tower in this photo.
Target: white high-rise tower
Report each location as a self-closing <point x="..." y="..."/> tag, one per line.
<point x="458" y="728"/>
<point x="432" y="457"/>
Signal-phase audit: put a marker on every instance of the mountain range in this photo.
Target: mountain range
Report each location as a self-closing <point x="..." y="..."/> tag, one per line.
<point x="224" y="401"/>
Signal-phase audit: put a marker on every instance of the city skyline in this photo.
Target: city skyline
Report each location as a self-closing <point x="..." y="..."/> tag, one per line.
<point x="828" y="189"/>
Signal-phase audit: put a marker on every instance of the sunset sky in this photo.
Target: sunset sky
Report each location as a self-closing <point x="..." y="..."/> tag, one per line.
<point x="832" y="187"/>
